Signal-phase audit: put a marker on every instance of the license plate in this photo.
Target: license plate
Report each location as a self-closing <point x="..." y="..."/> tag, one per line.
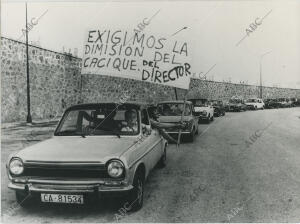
<point x="62" y="198"/>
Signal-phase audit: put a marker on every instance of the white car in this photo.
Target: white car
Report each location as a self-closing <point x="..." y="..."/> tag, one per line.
<point x="203" y="109"/>
<point x="98" y="150"/>
<point x="255" y="104"/>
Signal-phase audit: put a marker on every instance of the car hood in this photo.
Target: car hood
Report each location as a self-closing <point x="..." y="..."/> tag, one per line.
<point x="173" y="119"/>
<point x="77" y="149"/>
<point x="198" y="109"/>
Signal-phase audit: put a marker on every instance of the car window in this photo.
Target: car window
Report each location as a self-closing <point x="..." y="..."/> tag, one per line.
<point x="201" y="103"/>
<point x="70" y="122"/>
<point x="100" y="121"/>
<point x="145" y="117"/>
<point x="173" y="109"/>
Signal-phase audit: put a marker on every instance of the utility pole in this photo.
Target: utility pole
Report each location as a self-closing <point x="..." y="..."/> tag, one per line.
<point x="28" y="119"/>
<point x="260" y="73"/>
<point x="176" y="97"/>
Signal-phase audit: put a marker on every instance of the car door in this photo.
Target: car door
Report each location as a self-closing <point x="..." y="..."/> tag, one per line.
<point x="153" y="140"/>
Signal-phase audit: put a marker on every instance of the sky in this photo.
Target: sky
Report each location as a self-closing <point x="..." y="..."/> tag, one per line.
<point x="219" y="35"/>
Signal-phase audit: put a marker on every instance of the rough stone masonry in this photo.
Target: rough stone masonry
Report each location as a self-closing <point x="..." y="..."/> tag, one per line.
<point x="56" y="83"/>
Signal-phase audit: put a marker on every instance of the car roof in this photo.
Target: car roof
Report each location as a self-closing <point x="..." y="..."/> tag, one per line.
<point x="136" y="105"/>
<point x="175" y="101"/>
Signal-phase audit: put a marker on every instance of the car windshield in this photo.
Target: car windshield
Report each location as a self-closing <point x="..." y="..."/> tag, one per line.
<point x="200" y="102"/>
<point x="252" y="100"/>
<point x="101" y="120"/>
<point x="216" y="103"/>
<point x="173" y="109"/>
<point x="235" y="101"/>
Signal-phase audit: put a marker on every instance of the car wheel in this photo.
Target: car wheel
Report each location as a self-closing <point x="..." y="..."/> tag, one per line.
<point x="212" y="118"/>
<point x="224" y="113"/>
<point x="191" y="136"/>
<point x="23" y="199"/>
<point x="162" y="162"/>
<point x="137" y="194"/>
<point x="208" y="120"/>
<point x="197" y="131"/>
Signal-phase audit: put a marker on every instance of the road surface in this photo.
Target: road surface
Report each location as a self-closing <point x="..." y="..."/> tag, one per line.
<point x="226" y="175"/>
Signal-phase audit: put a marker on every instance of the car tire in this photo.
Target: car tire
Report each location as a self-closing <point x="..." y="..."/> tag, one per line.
<point x="197" y="131"/>
<point x="162" y="162"/>
<point x="191" y="136"/>
<point x="136" y="197"/>
<point x="208" y="120"/>
<point x="212" y="118"/>
<point x="224" y="113"/>
<point x="23" y="199"/>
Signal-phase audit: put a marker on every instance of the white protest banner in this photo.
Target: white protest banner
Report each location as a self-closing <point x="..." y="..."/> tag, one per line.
<point x="139" y="56"/>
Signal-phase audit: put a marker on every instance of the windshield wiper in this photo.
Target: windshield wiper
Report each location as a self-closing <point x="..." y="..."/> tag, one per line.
<point x="66" y="132"/>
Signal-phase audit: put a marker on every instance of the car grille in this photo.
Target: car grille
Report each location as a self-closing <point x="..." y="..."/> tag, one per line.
<point x="78" y="171"/>
<point x="172" y="129"/>
<point x="197" y="113"/>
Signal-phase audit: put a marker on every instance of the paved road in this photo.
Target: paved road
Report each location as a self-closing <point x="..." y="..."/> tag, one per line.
<point x="225" y="175"/>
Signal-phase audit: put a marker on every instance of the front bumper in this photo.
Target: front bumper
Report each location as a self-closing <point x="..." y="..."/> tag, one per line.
<point x="204" y="118"/>
<point x="201" y="115"/>
<point x="65" y="186"/>
<point x="177" y="132"/>
<point x="234" y="108"/>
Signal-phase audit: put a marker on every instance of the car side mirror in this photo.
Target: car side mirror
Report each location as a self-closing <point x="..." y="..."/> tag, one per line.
<point x="146" y="130"/>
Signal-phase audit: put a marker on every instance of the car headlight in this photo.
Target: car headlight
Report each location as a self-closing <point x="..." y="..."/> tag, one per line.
<point x="115" y="168"/>
<point x="16" y="166"/>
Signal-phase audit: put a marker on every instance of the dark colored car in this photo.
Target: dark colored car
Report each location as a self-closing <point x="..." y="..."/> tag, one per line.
<point x="219" y="107"/>
<point x="284" y="102"/>
<point x="295" y="102"/>
<point x="171" y="112"/>
<point x="271" y="103"/>
<point x="237" y="105"/>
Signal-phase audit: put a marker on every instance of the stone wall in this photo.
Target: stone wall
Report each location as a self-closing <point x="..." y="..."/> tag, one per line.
<point x="222" y="90"/>
<point x="56" y="83"/>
